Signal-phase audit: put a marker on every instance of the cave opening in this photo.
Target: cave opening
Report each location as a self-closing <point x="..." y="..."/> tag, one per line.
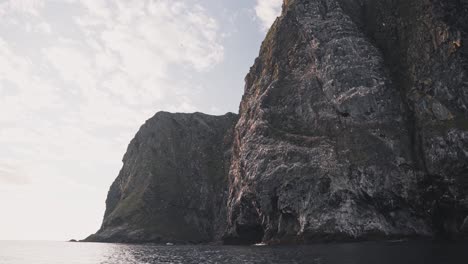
<point x="250" y="234"/>
<point x="446" y="221"/>
<point x="246" y="235"/>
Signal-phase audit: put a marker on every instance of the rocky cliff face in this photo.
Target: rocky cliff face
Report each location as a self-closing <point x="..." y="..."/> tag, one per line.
<point x="354" y="124"/>
<point x="172" y="186"/>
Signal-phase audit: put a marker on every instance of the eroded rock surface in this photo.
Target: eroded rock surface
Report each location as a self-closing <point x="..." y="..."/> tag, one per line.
<point x="354" y="124"/>
<point x="172" y="186"/>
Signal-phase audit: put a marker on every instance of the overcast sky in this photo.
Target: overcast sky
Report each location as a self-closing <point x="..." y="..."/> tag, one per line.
<point x="79" y="77"/>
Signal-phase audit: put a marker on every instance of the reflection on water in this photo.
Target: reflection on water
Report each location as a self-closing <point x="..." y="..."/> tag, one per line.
<point x="23" y="252"/>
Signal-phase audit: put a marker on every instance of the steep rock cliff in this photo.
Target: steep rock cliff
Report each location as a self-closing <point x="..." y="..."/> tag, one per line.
<point x="172" y="186"/>
<point x="354" y="124"/>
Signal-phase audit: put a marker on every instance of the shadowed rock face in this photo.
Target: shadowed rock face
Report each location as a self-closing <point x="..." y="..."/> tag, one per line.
<point x="425" y="47"/>
<point x="172" y="187"/>
<point x="354" y="124"/>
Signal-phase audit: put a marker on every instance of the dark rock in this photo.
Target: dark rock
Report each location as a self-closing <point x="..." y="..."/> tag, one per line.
<point x="354" y="124"/>
<point x="172" y="187"/>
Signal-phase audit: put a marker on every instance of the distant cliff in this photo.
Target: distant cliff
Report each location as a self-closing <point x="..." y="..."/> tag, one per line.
<point x="172" y="187"/>
<point x="353" y="125"/>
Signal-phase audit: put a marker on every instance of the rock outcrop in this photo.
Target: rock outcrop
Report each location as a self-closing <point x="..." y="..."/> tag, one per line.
<point x="354" y="124"/>
<point x="172" y="186"/>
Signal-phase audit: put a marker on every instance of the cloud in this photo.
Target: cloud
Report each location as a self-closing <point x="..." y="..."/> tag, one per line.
<point x="30" y="93"/>
<point x="267" y="11"/>
<point x="11" y="174"/>
<point x="31" y="7"/>
<point x="72" y="65"/>
<point x="121" y="56"/>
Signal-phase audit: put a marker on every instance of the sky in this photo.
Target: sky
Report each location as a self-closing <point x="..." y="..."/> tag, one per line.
<point x="79" y="77"/>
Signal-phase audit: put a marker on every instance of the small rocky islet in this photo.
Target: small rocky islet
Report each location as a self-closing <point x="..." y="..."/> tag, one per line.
<point x="353" y="126"/>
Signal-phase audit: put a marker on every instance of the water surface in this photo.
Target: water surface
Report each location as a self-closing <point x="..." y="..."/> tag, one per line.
<point x="28" y="252"/>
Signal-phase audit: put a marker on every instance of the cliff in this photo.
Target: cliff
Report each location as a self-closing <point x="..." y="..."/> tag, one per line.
<point x="353" y="125"/>
<point x="172" y="186"/>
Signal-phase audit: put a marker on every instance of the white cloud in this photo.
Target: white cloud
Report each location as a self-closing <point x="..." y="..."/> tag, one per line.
<point x="73" y="65"/>
<point x="31" y="92"/>
<point x="267" y="11"/>
<point x="11" y="174"/>
<point x="30" y="7"/>
<point x="43" y="28"/>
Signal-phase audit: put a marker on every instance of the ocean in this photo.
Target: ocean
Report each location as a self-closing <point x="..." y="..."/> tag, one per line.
<point x="39" y="252"/>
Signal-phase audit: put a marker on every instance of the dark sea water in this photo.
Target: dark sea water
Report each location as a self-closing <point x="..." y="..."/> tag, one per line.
<point x="25" y="252"/>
